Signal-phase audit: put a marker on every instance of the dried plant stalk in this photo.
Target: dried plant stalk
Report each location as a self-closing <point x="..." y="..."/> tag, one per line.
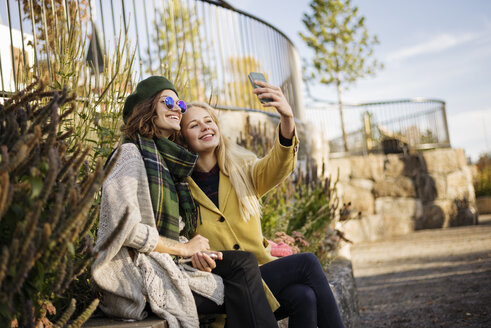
<point x="44" y="205"/>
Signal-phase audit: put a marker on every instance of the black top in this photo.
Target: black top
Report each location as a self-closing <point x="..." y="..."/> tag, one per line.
<point x="208" y="182"/>
<point x="285" y="142"/>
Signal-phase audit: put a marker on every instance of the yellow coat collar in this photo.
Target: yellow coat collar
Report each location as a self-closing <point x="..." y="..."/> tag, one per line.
<point x="224" y="188"/>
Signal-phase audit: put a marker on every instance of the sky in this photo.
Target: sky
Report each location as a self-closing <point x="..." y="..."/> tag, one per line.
<point x="438" y="49"/>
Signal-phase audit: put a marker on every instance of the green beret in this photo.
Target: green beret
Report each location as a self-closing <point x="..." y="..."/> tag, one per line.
<point x="146" y="89"/>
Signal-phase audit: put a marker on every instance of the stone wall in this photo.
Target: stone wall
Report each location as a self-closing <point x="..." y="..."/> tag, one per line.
<point x="397" y="193"/>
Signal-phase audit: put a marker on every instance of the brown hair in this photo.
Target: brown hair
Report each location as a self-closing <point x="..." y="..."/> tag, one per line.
<point x="142" y="120"/>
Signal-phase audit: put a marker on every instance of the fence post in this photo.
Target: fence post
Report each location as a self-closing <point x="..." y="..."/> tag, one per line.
<point x="445" y="124"/>
<point x="367" y="131"/>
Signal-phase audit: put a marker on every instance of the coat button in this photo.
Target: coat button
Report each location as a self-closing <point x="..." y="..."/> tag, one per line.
<point x="236" y="246"/>
<point x="221" y="219"/>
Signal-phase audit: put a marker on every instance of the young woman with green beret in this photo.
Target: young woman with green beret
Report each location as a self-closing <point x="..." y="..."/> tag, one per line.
<point x="228" y="182"/>
<point x="146" y="240"/>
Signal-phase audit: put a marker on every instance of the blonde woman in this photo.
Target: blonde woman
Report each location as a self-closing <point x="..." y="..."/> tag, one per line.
<point x="145" y="260"/>
<point x="227" y="183"/>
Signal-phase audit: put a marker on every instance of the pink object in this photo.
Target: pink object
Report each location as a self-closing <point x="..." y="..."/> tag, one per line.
<point x="280" y="249"/>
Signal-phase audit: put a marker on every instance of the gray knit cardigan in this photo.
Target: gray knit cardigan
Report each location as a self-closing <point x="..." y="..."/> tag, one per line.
<point x="151" y="277"/>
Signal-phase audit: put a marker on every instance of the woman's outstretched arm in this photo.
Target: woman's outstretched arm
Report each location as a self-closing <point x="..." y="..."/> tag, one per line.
<point x="287" y="122"/>
<point x="280" y="161"/>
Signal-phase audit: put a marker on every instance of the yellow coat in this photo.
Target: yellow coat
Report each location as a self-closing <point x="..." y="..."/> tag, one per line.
<point x="224" y="227"/>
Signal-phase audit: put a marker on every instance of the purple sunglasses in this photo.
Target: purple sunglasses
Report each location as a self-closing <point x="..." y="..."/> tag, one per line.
<point x="169" y="102"/>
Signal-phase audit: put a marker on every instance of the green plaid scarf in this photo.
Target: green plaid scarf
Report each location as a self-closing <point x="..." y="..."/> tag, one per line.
<point x="168" y="165"/>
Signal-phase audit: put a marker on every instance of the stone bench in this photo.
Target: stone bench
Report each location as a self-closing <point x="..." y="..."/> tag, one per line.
<point x="340" y="276"/>
<point x="150" y="322"/>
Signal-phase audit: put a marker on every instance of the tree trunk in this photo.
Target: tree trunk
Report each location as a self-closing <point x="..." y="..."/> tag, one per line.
<point x="340" y="106"/>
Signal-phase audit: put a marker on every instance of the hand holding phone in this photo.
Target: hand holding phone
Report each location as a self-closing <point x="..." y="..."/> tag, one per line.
<point x="279" y="102"/>
<point x="188" y="259"/>
<point x="254" y="76"/>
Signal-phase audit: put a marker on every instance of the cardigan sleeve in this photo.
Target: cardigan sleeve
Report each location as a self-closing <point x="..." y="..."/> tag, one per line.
<point x="127" y="188"/>
<point x="273" y="168"/>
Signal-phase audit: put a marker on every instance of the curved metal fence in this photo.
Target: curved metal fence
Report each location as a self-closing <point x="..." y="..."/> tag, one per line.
<point x="416" y="123"/>
<point x="209" y="44"/>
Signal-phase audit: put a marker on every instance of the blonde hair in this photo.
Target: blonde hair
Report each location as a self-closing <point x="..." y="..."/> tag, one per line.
<point x="235" y="162"/>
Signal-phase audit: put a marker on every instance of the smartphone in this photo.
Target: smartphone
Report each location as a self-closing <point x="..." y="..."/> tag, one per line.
<point x="254" y="76"/>
<point x="188" y="259"/>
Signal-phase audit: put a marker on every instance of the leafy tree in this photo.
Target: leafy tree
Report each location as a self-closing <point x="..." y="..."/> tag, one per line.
<point x="239" y="89"/>
<point x="182" y="50"/>
<point x="61" y="28"/>
<point x="341" y="44"/>
<point x="51" y="20"/>
<point x="50" y="17"/>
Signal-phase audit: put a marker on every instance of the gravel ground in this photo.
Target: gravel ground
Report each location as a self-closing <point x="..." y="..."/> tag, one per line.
<point x="430" y="278"/>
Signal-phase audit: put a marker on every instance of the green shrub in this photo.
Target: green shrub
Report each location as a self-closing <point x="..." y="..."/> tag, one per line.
<point x="306" y="212"/>
<point x="482" y="185"/>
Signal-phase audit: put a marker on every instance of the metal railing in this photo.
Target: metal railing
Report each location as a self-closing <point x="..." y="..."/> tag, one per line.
<point x="418" y="123"/>
<point x="212" y="45"/>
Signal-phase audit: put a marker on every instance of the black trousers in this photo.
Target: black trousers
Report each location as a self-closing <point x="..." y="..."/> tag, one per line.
<point x="300" y="285"/>
<point x="246" y="304"/>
